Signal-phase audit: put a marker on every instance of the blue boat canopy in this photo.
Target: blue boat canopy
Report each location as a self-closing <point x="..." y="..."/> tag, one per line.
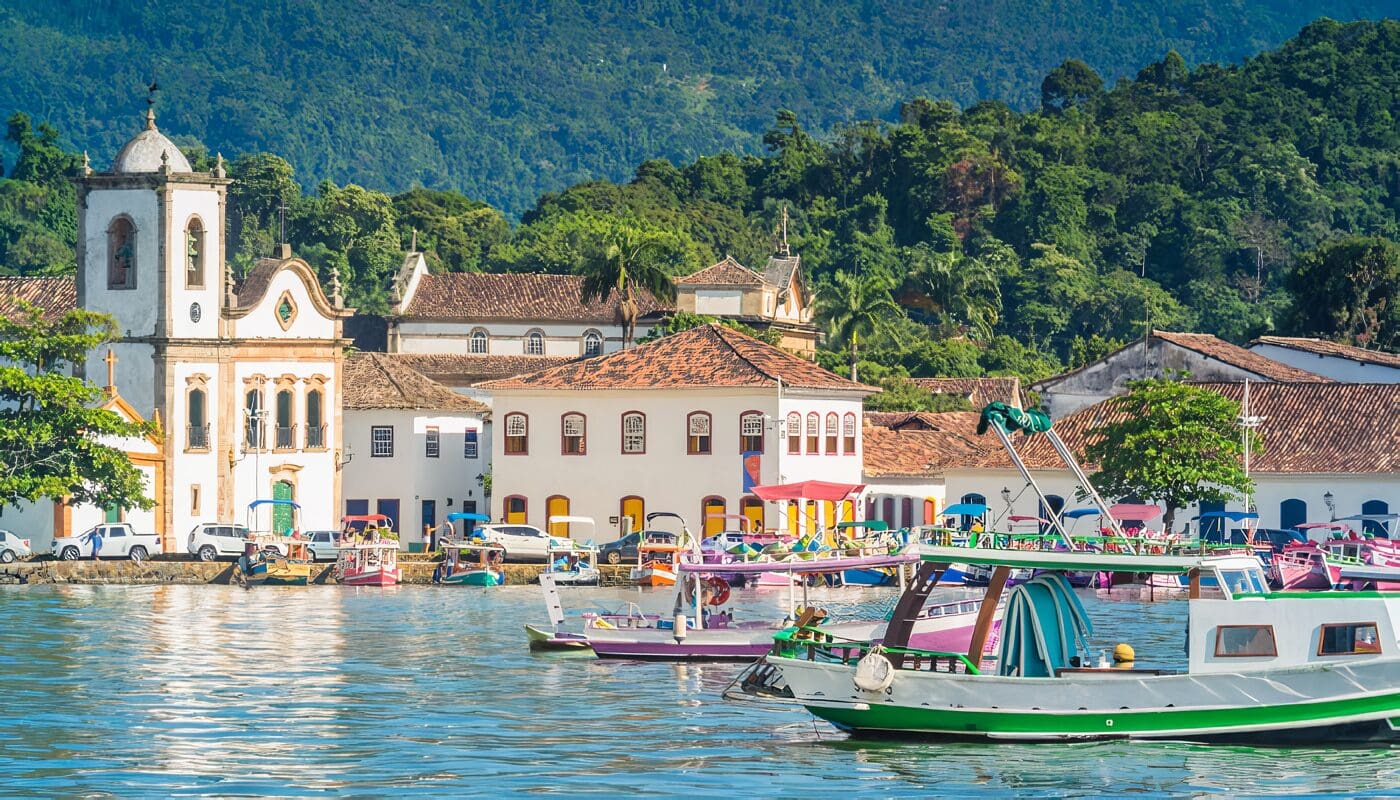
<point x="1233" y="516"/>
<point x="1081" y="512"/>
<point x="257" y="503"/>
<point x="456" y="515"/>
<point x="969" y="509"/>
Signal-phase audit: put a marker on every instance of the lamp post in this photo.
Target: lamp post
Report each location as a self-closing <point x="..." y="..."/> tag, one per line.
<point x="1006" y="498"/>
<point x="1328" y="501"/>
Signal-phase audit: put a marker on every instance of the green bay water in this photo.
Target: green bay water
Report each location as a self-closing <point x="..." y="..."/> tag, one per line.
<point x="328" y="691"/>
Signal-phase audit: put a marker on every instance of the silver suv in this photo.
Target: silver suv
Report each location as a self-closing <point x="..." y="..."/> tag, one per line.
<point x="211" y="540"/>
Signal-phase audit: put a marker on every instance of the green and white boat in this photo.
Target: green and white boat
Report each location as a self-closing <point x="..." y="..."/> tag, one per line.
<point x="1263" y="667"/>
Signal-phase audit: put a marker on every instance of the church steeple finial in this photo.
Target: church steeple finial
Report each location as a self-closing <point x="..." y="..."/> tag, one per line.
<point x="151" y="105"/>
<point x="783" y="248"/>
<point x="150" y="118"/>
<point x="111" y="387"/>
<point x="336" y="299"/>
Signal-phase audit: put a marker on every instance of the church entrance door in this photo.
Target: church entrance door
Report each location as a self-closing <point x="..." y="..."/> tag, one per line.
<point x="282" y="517"/>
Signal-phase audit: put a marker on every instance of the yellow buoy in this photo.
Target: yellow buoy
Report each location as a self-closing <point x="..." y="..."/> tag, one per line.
<point x="1123" y="653"/>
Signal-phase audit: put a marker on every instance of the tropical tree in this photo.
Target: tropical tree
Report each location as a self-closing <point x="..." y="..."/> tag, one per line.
<point x="1171" y="443"/>
<point x="1350" y="289"/>
<point x="627" y="259"/>
<point x="853" y="306"/>
<point x="51" y="432"/>
<point x="964" y="291"/>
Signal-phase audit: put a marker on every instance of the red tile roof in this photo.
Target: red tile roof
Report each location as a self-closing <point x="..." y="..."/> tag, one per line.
<point x="920" y="445"/>
<point x="516" y="296"/>
<point x="375" y="380"/>
<point x="978" y="391"/>
<point x="1322" y="347"/>
<point x="726" y="273"/>
<point x="55" y="295"/>
<point x="1236" y="356"/>
<point x="709" y="356"/>
<point x="454" y="369"/>
<point x="1309" y="427"/>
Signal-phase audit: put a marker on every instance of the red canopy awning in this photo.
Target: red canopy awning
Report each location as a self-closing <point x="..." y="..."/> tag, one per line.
<point x="1141" y="511"/>
<point x="809" y="490"/>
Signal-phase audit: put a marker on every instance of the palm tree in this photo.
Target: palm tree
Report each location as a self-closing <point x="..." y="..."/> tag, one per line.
<point x="623" y="258"/>
<point x="961" y="289"/>
<point x="853" y="306"/>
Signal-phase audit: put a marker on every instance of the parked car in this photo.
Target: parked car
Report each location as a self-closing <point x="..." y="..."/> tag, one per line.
<point x="12" y="547"/>
<point x="119" y="540"/>
<point x="322" y="545"/>
<point x="211" y="540"/>
<point x="625" y="549"/>
<point x="519" y="541"/>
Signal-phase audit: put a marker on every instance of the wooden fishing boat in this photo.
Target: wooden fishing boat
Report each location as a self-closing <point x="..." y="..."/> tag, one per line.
<point x="470" y="564"/>
<point x="273" y="558"/>
<point x="568" y="562"/>
<point x="1263" y="667"/>
<point x="658" y="552"/>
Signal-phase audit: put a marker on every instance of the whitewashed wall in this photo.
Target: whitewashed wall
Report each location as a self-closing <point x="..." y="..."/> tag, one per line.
<point x="1338" y="369"/>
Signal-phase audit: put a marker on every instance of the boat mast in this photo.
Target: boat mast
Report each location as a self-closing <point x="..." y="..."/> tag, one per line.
<point x="1248" y="422"/>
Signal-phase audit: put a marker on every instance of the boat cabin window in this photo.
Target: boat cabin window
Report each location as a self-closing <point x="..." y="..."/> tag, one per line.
<point x="1352" y="638"/>
<point x="1245" y="641"/>
<point x="1243" y="581"/>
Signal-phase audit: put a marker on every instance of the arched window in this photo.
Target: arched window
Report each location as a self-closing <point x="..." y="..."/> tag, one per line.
<point x="814" y="434"/>
<point x="751" y="432"/>
<point x="573" y="428"/>
<point x="315" y="420"/>
<point x="534" y="343"/>
<point x="197" y="437"/>
<point x="592" y="343"/>
<point x="480" y="343"/>
<point x="793" y="431"/>
<point x="1050" y="510"/>
<point x="831" y="424"/>
<point x="1292" y="513"/>
<point x="697" y="426"/>
<point x="848" y="434"/>
<point x="712" y="515"/>
<point x="252" y="419"/>
<point x="194" y="254"/>
<point x="516" y="508"/>
<point x="634" y="433"/>
<point x="966" y="521"/>
<point x="121" y="254"/>
<point x="517" y="434"/>
<point x="286" y="429"/>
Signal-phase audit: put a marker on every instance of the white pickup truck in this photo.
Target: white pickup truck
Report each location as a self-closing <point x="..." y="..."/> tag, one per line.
<point x="119" y="540"/>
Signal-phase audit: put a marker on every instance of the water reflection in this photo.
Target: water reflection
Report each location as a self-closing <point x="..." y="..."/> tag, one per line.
<point x="326" y="690"/>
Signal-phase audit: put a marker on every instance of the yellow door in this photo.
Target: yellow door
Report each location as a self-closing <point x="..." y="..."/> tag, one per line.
<point x="515" y="510"/>
<point x="713" y="509"/>
<point x="848" y="511"/>
<point x="794" y="517"/>
<point x="557" y="506"/>
<point x="752" y="508"/>
<point x="635" y="508"/>
<point x="811" y="518"/>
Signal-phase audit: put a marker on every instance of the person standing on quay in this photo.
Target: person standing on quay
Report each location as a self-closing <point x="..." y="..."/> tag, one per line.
<point x="96" y="543"/>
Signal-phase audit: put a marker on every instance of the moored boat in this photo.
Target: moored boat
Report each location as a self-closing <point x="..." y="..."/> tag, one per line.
<point x="470" y="564"/>
<point x="569" y="562"/>
<point x="273" y="557"/>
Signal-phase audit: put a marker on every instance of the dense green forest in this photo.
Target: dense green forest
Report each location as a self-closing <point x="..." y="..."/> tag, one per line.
<point x="504" y="101"/>
<point x="1231" y="199"/>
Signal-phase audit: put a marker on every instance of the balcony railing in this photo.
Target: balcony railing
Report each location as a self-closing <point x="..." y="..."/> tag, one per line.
<point x="197" y="437"/>
<point x="286" y="437"/>
<point x="253" y="436"/>
<point x="316" y="437"/>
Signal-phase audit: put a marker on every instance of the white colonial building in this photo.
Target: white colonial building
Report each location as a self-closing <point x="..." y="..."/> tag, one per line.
<point x="776" y="299"/>
<point x="1340" y="362"/>
<point x="685" y="424"/>
<point x="414" y="449"/>
<point x="244" y="379"/>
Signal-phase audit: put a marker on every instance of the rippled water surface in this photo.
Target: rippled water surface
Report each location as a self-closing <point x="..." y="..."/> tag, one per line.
<point x="329" y="691"/>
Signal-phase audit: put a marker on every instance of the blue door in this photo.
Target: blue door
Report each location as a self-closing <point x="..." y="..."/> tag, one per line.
<point x="390" y="509"/>
<point x="1374" y="507"/>
<point x="1292" y="513"/>
<point x="1212" y="529"/>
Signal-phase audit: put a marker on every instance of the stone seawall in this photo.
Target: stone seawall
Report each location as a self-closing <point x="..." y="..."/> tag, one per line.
<point x="119" y="573"/>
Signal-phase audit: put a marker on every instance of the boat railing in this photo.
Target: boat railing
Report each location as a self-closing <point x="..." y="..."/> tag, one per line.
<point x="815" y="644"/>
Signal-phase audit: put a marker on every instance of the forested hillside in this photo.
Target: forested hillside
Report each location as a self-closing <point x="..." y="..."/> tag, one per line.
<point x="504" y="101"/>
<point x="1231" y="199"/>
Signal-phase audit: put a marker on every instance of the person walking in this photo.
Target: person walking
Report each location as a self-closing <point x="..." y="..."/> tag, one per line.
<point x="96" y="543"/>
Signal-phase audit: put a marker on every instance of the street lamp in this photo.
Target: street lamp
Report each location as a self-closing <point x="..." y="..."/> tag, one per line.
<point x="1327" y="500"/>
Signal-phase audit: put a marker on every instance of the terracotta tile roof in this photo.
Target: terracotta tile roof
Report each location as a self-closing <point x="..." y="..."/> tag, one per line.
<point x="978" y="391"/>
<point x="374" y="380"/>
<point x="705" y="357"/>
<point x="55" y="295"/>
<point x="726" y="273"/>
<point x="939" y="440"/>
<point x="1234" y="355"/>
<point x="1309" y="427"/>
<point x="454" y="369"/>
<point x="522" y="296"/>
<point x="1322" y="347"/>
<point x="780" y="269"/>
<point x="254" y="285"/>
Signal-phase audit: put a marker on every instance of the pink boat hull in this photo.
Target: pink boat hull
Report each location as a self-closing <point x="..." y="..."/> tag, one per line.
<point x="377" y="577"/>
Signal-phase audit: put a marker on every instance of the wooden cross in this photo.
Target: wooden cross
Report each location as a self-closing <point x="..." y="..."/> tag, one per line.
<point x="111" y="360"/>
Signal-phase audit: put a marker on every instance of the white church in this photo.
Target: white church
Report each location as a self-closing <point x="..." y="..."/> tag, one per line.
<point x="243" y="378"/>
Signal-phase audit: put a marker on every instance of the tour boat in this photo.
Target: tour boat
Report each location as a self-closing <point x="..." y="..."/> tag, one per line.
<point x="1263" y="667"/>
<point x="658" y="551"/>
<point x="572" y="563"/>
<point x="1305" y="566"/>
<point x="470" y="564"/>
<point x="557" y="636"/>
<point x="273" y="558"/>
<point x="372" y="562"/>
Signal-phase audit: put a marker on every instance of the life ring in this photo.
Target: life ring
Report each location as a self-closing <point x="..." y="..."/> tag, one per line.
<point x="716" y="587"/>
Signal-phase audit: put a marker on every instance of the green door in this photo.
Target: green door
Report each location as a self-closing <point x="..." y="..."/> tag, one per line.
<point x="282" y="518"/>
